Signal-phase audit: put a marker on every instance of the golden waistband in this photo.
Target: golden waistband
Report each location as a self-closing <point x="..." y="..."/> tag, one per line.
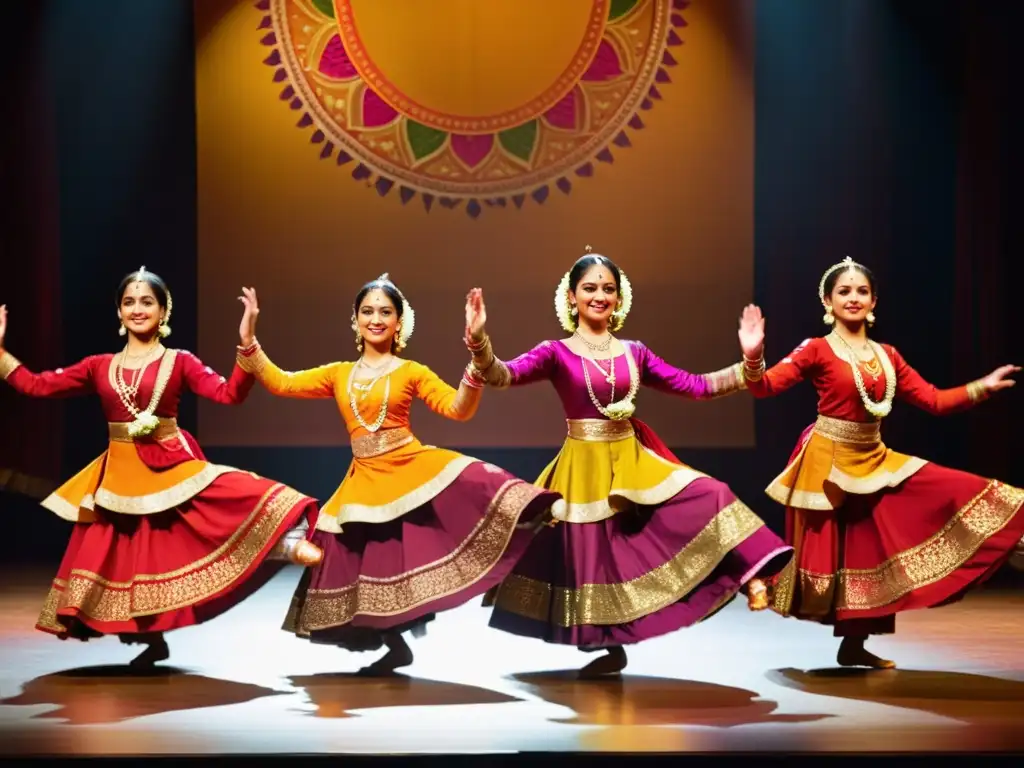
<point x="165" y="430"/>
<point x="842" y="431"/>
<point x="599" y="430"/>
<point x="379" y="443"/>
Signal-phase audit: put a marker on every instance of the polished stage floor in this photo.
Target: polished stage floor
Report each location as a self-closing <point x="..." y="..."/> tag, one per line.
<point x="743" y="681"/>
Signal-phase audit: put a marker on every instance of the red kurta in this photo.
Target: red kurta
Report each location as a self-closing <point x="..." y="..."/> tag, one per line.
<point x="163" y="539"/>
<point x="875" y="531"/>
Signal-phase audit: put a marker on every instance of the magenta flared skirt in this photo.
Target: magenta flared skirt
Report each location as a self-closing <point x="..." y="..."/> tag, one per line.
<point x="395" y="576"/>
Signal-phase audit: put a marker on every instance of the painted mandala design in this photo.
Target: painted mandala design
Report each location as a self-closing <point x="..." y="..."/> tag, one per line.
<point x="496" y="115"/>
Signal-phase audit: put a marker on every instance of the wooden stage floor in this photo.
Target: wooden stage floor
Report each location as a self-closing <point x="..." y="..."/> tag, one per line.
<point x="741" y="682"/>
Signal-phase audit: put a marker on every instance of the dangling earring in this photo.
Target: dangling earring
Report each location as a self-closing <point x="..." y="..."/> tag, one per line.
<point x="829" y="318"/>
<point x="359" y="336"/>
<point x="574" y="311"/>
<point x="122" y="331"/>
<point x="870" y="318"/>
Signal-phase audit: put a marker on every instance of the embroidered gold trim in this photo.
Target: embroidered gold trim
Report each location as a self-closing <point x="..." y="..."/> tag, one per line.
<point x="83" y="513"/>
<point x="469" y="562"/>
<point x="929" y="562"/>
<point x="610" y="604"/>
<point x="379" y="443"/>
<point x="382" y="513"/>
<point x="843" y="431"/>
<point x="599" y="430"/>
<point x="254" y="363"/>
<point x="977" y="391"/>
<point x="726" y="381"/>
<point x="104" y="600"/>
<point x="8" y="363"/>
<point x="166" y="430"/>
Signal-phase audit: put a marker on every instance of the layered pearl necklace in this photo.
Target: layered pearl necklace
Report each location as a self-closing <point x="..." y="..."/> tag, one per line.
<point x="615" y="410"/>
<point x="880" y="409"/>
<point x="353" y="385"/>
<point x="144" y="421"/>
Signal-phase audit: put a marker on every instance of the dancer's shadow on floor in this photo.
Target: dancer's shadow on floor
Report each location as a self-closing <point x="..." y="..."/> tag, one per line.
<point x="336" y="695"/>
<point x="113" y="694"/>
<point x="974" y="699"/>
<point x="640" y="700"/>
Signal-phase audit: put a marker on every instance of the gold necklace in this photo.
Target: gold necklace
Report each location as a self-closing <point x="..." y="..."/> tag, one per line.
<point x="602" y="347"/>
<point x="382" y="414"/>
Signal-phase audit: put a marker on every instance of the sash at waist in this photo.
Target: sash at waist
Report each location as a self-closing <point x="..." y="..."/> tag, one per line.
<point x="599" y="430"/>
<point x="379" y="443"/>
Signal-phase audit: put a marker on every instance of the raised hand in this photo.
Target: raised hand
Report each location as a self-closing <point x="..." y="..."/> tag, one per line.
<point x="247" y="328"/>
<point x="3" y="323"/>
<point x="994" y="382"/>
<point x="476" y="314"/>
<point x="751" y="333"/>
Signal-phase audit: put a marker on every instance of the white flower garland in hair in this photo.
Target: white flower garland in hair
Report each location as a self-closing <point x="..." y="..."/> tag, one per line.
<point x="626" y="297"/>
<point x="408" y="324"/>
<point x="563" y="307"/>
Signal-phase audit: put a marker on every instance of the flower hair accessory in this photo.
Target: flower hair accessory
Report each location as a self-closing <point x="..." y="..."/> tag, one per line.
<point x="408" y="320"/>
<point x="563" y="307"/>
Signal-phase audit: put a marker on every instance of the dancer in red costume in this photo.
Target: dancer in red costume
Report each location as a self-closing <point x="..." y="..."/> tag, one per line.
<point x="162" y="539"/>
<point x="876" y="532"/>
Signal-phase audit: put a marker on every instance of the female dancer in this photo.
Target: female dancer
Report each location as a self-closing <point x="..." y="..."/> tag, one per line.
<point x="162" y="538"/>
<point x="412" y="529"/>
<point x="875" y="532"/>
<point x="649" y="545"/>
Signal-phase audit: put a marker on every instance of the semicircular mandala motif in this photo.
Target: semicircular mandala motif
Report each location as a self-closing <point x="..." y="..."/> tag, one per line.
<point x="474" y="108"/>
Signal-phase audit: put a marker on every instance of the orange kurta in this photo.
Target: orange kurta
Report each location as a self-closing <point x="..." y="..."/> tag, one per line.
<point x="392" y="472"/>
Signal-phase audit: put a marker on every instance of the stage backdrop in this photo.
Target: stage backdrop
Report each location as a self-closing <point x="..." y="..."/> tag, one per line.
<point x="456" y="144"/>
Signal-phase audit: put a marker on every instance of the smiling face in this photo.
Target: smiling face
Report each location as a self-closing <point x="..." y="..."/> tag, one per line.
<point x="852" y="297"/>
<point x="377" y="319"/>
<point x="140" y="310"/>
<point x="597" y="295"/>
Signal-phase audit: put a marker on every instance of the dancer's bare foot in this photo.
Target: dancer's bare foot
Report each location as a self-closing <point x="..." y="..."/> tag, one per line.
<point x="296" y="548"/>
<point x="852" y="653"/>
<point x="612" y="663"/>
<point x="399" y="655"/>
<point x="758" y="597"/>
<point x="155" y="651"/>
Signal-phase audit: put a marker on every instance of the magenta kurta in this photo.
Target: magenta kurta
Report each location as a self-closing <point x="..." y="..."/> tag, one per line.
<point x="647" y="545"/>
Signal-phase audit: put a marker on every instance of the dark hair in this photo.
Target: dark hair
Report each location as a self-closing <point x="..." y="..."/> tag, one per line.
<point x="392" y="293"/>
<point x="591" y="260"/>
<point x="380" y="285"/>
<point x="833" y="277"/>
<point x="153" y="280"/>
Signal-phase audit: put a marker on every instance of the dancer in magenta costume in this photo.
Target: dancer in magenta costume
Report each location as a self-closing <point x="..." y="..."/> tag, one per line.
<point x="646" y="544"/>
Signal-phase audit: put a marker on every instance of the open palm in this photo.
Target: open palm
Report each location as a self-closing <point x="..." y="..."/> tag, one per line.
<point x="476" y="314"/>
<point x="751" y="333"/>
<point x="247" y="327"/>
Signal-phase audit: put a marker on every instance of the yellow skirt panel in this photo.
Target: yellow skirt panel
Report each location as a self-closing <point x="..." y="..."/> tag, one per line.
<point x="826" y="470"/>
<point x="600" y="479"/>
<point x="385" y="487"/>
<point x="119" y="481"/>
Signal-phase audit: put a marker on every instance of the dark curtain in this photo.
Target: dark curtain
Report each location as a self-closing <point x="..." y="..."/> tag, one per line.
<point x="31" y="448"/>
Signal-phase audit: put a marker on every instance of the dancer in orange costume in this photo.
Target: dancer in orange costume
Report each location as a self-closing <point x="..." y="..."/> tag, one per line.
<point x="876" y="532"/>
<point x="162" y="538"/>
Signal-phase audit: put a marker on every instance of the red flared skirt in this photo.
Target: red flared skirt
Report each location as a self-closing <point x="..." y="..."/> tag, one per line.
<point x="921" y="544"/>
<point x="126" y="575"/>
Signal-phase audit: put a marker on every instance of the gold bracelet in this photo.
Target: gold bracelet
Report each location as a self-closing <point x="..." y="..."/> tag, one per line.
<point x="977" y="391"/>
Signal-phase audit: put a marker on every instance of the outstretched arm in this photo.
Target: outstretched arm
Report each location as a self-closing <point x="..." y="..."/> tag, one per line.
<point x="457" y="404"/>
<point x="74" y="380"/>
<point x="660" y="375"/>
<point x="912" y="388"/>
<point x="789" y="372"/>
<point x="311" y="384"/>
<point x="205" y="382"/>
<point x="529" y="367"/>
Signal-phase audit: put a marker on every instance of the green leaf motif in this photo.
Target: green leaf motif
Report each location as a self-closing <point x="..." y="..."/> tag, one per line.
<point x="519" y="141"/>
<point x="423" y="139"/>
<point x="326" y="7"/>
<point x="619" y="8"/>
